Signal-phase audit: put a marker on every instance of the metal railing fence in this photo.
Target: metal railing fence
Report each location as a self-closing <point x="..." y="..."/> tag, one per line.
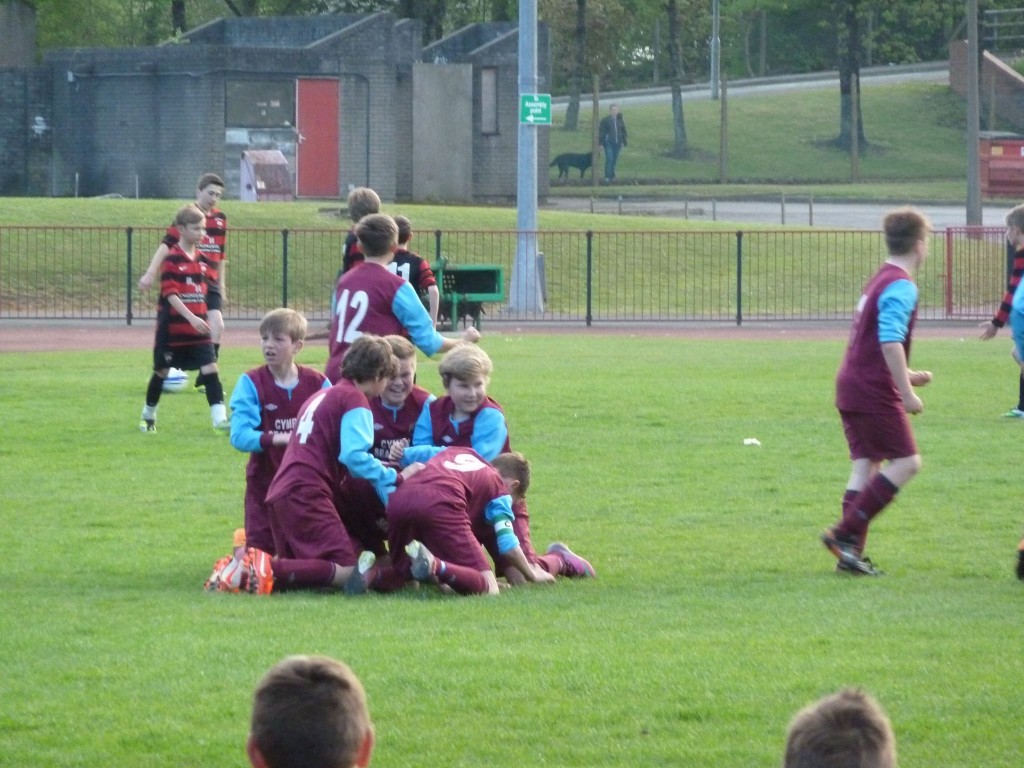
<point x="587" y="277"/>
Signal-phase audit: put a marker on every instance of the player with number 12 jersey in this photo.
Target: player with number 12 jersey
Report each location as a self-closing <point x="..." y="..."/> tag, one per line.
<point x="373" y="300"/>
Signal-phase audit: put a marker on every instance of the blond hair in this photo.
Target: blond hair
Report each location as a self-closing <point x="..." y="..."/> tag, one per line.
<point x="362" y="201"/>
<point x="284" y="321"/>
<point x="464" y="362"/>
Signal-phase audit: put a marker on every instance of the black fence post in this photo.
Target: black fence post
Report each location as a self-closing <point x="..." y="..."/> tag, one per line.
<point x="590" y="276"/>
<point x="284" y="267"/>
<point x="739" y="278"/>
<point x="128" y="285"/>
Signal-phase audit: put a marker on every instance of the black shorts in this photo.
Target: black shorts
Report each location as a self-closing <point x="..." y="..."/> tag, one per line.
<point x="214" y="301"/>
<point x="190" y="358"/>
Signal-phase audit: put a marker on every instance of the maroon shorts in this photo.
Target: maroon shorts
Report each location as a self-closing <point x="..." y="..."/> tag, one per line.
<point x="444" y="529"/>
<point x="306" y="526"/>
<point x="878" y="436"/>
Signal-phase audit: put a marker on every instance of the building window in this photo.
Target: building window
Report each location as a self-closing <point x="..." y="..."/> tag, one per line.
<point x="489" y="101"/>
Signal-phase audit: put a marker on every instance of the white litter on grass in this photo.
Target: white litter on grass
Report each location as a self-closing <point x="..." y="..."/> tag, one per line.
<point x="751" y="441"/>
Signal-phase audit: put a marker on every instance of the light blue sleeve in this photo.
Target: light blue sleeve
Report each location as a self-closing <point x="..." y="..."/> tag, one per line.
<point x="356" y="444"/>
<point x="498" y="513"/>
<point x="423" y="431"/>
<point x="413" y="315"/>
<point x="895" y="306"/>
<point x="489" y="433"/>
<point x="419" y="453"/>
<point x="246" y="422"/>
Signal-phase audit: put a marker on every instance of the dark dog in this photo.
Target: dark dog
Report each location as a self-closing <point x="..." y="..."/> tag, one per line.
<point x="567" y="160"/>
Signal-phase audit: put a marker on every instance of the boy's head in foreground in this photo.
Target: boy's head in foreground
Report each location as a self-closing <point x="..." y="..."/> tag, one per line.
<point x="847" y="729"/>
<point x="310" y="712"/>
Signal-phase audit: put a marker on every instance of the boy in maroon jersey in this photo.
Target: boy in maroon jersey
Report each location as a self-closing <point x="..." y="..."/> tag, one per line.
<point x="182" y="330"/>
<point x="437" y="521"/>
<point x="394" y="412"/>
<point x="209" y="190"/>
<point x="875" y="391"/>
<point x="372" y="300"/>
<point x="559" y="560"/>
<point x="264" y="409"/>
<point x="414" y="268"/>
<point x="466" y="415"/>
<point x="331" y="441"/>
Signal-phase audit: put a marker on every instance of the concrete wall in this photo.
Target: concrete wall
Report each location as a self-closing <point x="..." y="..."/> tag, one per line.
<point x="26" y="132"/>
<point x="17" y="34"/>
<point x="443" y="159"/>
<point x="1001" y="92"/>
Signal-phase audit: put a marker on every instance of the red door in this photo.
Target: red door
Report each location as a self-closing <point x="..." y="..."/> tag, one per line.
<point x="316" y="105"/>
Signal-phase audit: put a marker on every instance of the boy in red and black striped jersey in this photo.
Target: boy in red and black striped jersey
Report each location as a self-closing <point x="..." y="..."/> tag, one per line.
<point x="209" y="190"/>
<point x="1011" y="308"/>
<point x="415" y="269"/>
<point x="182" y="331"/>
<point x="362" y="201"/>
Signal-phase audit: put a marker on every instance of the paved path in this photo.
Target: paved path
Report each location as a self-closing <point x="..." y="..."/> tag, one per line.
<point x="799" y="212"/>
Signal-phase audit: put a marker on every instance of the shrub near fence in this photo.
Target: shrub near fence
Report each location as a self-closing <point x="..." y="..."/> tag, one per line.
<point x="587" y="277"/>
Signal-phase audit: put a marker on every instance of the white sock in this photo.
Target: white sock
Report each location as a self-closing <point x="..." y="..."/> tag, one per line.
<point x="149" y="412"/>
<point x="218" y="413"/>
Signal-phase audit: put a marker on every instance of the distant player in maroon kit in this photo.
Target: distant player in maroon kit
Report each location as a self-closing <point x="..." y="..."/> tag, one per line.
<point x="437" y="521"/>
<point x="264" y="410"/>
<point x="209" y="190"/>
<point x="372" y="300"/>
<point x="332" y="439"/>
<point x="182" y="332"/>
<point x="875" y="391"/>
<point x="414" y="268"/>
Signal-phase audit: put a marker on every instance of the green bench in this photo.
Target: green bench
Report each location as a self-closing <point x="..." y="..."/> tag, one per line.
<point x="464" y="289"/>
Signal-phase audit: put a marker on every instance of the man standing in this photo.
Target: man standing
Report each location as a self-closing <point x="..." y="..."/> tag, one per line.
<point x="612" y="137"/>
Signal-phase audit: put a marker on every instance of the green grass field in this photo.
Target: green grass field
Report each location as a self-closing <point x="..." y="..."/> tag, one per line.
<point x="715" y="615"/>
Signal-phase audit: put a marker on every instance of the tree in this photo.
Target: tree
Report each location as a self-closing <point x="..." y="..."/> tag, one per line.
<point x="851" y="51"/>
<point x="572" y="110"/>
<point x="680" y="149"/>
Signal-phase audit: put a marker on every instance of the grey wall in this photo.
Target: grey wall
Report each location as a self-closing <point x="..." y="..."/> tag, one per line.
<point x="17" y="34"/>
<point x="443" y="155"/>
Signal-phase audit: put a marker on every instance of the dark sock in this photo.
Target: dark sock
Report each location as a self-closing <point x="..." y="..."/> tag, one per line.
<point x="302" y="574"/>
<point x="214" y="389"/>
<point x="154" y="390"/>
<point x="461" y="578"/>
<point x="1020" y="393"/>
<point x="216" y="351"/>
<point x="869" y="504"/>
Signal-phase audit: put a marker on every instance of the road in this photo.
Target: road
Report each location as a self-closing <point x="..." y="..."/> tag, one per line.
<point x="791" y="213"/>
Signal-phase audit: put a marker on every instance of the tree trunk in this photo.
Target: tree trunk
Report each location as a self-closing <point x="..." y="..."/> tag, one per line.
<point x="572" y="111"/>
<point x="178" y="21"/>
<point x="850" y="45"/>
<point x="675" y="56"/>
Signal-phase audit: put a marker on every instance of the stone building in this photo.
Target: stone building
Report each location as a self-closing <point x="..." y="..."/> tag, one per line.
<point x="348" y="100"/>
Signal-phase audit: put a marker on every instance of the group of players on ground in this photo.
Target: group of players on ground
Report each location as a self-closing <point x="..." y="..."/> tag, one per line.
<point x="358" y="479"/>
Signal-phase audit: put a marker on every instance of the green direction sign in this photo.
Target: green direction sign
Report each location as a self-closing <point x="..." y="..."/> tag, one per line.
<point x="535" y="108"/>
